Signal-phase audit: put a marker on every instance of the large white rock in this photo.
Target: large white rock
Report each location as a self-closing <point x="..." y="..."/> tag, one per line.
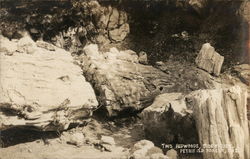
<point x="107" y="140"/>
<point x="146" y="149"/>
<point x="44" y="89"/>
<point x="141" y="148"/>
<point x="209" y="60"/>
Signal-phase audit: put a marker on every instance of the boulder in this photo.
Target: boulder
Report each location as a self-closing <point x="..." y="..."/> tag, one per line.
<point x="172" y="154"/>
<point x="143" y="144"/>
<point x="209" y="60"/>
<point x="117" y="26"/>
<point x="143" y="58"/>
<point x="44" y="90"/>
<point x="74" y="138"/>
<point x="121" y="83"/>
<point x="107" y="140"/>
<point x="112" y="22"/>
<point x="169" y="120"/>
<point x="146" y="149"/>
<point x="159" y="156"/>
<point x="119" y="34"/>
<point x="141" y="148"/>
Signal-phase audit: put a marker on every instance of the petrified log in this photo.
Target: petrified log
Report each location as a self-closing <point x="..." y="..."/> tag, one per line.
<point x="209" y="60"/>
<point x="121" y="83"/>
<point x="221" y="120"/>
<point x="41" y="87"/>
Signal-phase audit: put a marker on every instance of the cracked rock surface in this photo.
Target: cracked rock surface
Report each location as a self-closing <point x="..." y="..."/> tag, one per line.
<point x="122" y="83"/>
<point x="209" y="60"/>
<point x="221" y="119"/>
<point x="41" y="88"/>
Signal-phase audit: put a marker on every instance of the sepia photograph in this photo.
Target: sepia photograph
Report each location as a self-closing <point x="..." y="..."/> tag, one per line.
<point x="124" y="79"/>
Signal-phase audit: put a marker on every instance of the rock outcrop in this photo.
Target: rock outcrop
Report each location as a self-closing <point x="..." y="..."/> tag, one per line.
<point x="220" y="117"/>
<point x="41" y="87"/>
<point x="108" y="24"/>
<point x="209" y="60"/>
<point x="109" y="21"/>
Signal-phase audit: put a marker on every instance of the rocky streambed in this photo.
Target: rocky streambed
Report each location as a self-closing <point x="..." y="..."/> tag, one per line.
<point x="81" y="92"/>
